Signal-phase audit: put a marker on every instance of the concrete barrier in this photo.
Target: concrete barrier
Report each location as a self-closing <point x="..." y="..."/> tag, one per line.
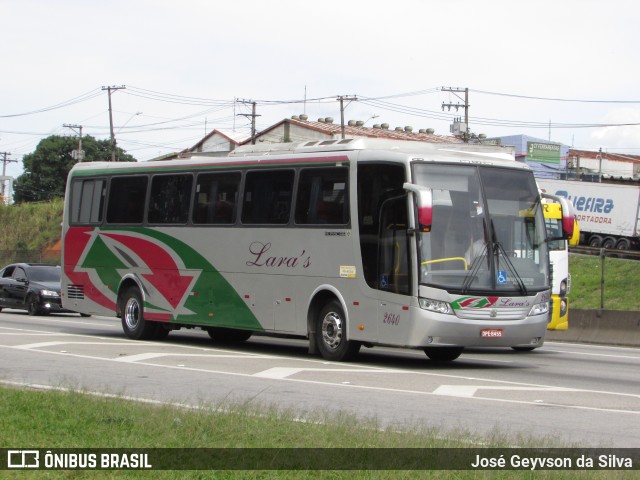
<point x="609" y="327"/>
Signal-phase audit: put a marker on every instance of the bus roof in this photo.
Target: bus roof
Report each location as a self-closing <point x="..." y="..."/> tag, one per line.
<point x="289" y="152"/>
<point x="350" y="144"/>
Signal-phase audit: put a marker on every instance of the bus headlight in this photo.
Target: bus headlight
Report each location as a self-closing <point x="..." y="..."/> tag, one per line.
<point x="539" y="309"/>
<point x="435" y="306"/>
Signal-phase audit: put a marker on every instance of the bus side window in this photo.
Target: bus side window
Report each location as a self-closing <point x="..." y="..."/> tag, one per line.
<point x="216" y="198"/>
<point x="169" y="200"/>
<point x="322" y="197"/>
<point x="126" y="199"/>
<point x="87" y="201"/>
<point x="267" y="197"/>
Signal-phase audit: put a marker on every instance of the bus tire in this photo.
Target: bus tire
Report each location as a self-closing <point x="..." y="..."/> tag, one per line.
<point x="331" y="334"/>
<point x="133" y="322"/>
<point x="443" y="354"/>
<point x="524" y="349"/>
<point x="228" y="335"/>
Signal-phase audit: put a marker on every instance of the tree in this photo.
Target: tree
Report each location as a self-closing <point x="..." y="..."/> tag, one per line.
<point x="46" y="169"/>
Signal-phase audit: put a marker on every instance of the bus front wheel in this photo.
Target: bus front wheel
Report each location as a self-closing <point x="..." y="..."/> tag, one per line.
<point x="443" y="354"/>
<point x="133" y="322"/>
<point x="331" y="334"/>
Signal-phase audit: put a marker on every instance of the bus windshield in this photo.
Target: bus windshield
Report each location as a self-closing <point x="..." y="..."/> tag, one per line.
<point x="487" y="233"/>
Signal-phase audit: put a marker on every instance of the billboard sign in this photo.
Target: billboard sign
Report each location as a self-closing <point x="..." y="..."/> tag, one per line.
<point x="543" y="152"/>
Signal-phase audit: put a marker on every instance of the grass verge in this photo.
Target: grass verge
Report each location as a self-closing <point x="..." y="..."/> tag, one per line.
<point x="621" y="284"/>
<point x="65" y="419"/>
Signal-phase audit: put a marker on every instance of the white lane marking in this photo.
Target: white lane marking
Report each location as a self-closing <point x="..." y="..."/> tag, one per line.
<point x="285" y="372"/>
<point x="570" y="352"/>
<point x="23" y="334"/>
<point x="363" y="369"/>
<point x="150" y="355"/>
<point x="278" y="372"/>
<point x="30" y="346"/>
<point x="470" y="390"/>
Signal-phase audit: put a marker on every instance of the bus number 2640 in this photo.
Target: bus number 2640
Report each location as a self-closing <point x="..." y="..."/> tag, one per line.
<point x="391" y="318"/>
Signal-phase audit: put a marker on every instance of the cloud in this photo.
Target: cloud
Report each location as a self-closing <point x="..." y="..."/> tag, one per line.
<point x="619" y="137"/>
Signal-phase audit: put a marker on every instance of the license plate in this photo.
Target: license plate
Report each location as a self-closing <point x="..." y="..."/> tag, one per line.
<point x="491" y="332"/>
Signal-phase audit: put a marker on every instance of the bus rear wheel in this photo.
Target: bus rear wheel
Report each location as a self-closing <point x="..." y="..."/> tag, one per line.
<point x="331" y="334"/>
<point x="443" y="354"/>
<point x="133" y="322"/>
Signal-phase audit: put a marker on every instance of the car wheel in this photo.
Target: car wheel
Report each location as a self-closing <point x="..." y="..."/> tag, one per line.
<point x="33" y="305"/>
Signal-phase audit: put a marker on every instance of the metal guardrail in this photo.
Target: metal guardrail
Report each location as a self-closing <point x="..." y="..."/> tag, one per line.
<point x="606" y="252"/>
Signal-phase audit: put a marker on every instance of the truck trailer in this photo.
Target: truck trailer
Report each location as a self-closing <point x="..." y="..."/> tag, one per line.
<point x="608" y="214"/>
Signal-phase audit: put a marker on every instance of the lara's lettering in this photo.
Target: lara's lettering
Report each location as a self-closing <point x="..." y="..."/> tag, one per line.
<point x="261" y="257"/>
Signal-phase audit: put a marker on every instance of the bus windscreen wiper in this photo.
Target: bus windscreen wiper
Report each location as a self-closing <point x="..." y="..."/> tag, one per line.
<point x="471" y="274"/>
<point x="499" y="250"/>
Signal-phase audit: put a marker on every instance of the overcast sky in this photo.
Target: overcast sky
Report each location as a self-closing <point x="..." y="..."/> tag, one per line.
<point x="183" y="63"/>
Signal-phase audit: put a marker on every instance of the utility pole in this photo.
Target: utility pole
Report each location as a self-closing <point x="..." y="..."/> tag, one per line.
<point x="458" y="105"/>
<point x="5" y="160"/>
<point x="113" y="136"/>
<point x="80" y="155"/>
<point x="253" y="116"/>
<point x="342" y="98"/>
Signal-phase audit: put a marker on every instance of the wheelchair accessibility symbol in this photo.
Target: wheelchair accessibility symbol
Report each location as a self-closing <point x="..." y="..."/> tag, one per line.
<point x="502" y="277"/>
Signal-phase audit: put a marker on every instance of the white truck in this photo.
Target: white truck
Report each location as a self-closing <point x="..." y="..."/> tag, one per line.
<point x="608" y="214"/>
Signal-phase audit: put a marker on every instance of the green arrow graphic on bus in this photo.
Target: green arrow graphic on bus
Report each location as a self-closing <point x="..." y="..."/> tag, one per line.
<point x="179" y="280"/>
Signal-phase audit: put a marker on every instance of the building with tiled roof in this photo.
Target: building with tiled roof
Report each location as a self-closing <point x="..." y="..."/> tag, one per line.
<point x="299" y="129"/>
<point x="217" y="143"/>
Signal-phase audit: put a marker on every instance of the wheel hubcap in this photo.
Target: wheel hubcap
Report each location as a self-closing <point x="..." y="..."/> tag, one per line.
<point x="332" y="330"/>
<point x="132" y="313"/>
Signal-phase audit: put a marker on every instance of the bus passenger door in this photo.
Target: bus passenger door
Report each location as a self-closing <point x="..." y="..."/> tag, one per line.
<point x="394" y="272"/>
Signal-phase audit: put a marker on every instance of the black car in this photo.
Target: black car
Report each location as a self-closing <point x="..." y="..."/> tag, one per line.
<point x="31" y="286"/>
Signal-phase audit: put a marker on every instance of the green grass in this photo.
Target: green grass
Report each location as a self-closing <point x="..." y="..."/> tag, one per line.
<point x="66" y="419"/>
<point x="30" y="226"/>
<point x="621" y="286"/>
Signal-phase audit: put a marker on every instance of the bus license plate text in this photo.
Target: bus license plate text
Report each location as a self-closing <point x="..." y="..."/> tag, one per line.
<point x="491" y="332"/>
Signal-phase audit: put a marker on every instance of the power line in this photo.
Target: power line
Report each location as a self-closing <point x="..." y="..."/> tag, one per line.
<point x="82" y="98"/>
<point x="551" y="99"/>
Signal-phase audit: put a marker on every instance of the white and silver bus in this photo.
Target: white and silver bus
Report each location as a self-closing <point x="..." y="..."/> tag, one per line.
<point x="345" y="242"/>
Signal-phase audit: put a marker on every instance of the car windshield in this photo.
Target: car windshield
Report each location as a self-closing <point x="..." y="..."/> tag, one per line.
<point x="44" y="274"/>
<point x="488" y="231"/>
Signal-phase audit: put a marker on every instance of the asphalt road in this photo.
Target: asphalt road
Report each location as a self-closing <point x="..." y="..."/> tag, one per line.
<point x="579" y="395"/>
